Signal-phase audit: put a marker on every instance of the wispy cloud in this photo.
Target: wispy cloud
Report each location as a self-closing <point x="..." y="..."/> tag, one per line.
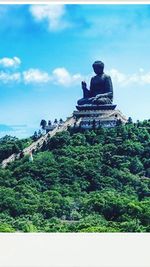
<point x="60" y="76"/>
<point x="139" y="78"/>
<point x="54" y="15"/>
<point x="7" y="62"/>
<point x="35" y="76"/>
<point x="63" y="77"/>
<point x="7" y="77"/>
<point x="103" y="23"/>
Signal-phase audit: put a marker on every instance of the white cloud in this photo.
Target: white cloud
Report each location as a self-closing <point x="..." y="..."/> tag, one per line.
<point x="9" y="77"/>
<point x="139" y="78"/>
<point x="7" y="62"/>
<point x="117" y="76"/>
<point x="145" y="78"/>
<point x="59" y="76"/>
<point x="35" y="76"/>
<point x="62" y="77"/>
<point x="53" y="14"/>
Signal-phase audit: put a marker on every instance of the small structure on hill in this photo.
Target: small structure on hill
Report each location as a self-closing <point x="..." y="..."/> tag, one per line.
<point x="96" y="108"/>
<point x="50" y="126"/>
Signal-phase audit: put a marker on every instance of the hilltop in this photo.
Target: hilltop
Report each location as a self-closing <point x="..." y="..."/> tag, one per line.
<point x="80" y="181"/>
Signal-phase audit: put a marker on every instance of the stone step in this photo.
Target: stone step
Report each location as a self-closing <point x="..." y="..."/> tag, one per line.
<point x="38" y="144"/>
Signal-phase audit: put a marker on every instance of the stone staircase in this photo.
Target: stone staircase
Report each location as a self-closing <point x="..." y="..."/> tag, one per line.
<point x="38" y="144"/>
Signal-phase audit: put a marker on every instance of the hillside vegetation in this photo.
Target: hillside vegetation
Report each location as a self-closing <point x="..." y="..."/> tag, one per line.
<point x="10" y="145"/>
<point x="81" y="181"/>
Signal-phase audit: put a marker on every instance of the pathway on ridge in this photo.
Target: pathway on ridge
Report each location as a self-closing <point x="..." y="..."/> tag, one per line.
<point x="38" y="144"/>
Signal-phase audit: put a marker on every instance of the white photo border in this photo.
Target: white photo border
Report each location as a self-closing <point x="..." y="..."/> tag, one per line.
<point x="74" y="250"/>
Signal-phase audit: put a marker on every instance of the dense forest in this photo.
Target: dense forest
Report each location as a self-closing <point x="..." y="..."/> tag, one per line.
<point x="80" y="181"/>
<point x="10" y="145"/>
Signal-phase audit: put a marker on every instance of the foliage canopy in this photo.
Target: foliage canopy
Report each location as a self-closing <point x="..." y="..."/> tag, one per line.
<point x="89" y="181"/>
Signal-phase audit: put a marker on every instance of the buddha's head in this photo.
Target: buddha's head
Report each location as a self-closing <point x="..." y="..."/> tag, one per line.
<point x="98" y="67"/>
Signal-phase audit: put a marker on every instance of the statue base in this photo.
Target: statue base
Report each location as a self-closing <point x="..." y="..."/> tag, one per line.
<point x="96" y="107"/>
<point x="89" y="118"/>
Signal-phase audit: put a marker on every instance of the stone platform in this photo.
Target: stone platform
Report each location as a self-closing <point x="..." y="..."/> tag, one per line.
<point x="96" y="107"/>
<point x="92" y="118"/>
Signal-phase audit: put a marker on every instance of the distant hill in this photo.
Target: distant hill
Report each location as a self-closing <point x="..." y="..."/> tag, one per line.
<point x="4" y="127"/>
<point x="80" y="181"/>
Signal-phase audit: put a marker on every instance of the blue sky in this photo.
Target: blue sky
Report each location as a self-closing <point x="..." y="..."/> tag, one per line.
<point x="47" y="50"/>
